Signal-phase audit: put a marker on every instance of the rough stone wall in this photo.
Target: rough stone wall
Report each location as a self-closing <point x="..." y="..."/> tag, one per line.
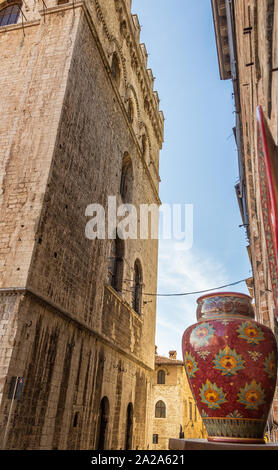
<point x="32" y="84"/>
<point x="176" y="395"/>
<point x="67" y="370"/>
<point x="72" y="337"/>
<point x="8" y="327"/>
<point x="91" y="130"/>
<point x="256" y="39"/>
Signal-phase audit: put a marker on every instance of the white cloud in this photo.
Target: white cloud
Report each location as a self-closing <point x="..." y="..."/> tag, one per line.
<point x="182" y="271"/>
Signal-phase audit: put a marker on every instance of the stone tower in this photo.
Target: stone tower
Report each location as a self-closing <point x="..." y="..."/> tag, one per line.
<point x="80" y="121"/>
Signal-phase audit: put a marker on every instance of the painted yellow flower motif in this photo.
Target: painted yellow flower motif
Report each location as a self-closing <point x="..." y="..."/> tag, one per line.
<point x="212" y="395"/>
<point x="228" y="361"/>
<point x="252" y="395"/>
<point x="191" y="365"/>
<point x="251" y="333"/>
<point x="270" y="365"/>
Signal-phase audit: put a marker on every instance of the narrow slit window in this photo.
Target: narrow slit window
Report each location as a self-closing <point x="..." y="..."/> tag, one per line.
<point x="137" y="287"/>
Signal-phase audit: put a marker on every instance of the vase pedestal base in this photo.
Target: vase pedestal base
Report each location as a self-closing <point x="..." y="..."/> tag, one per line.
<point x="204" y="444"/>
<point x="236" y="440"/>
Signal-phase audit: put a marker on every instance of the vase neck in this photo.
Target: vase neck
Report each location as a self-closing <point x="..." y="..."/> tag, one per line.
<point x="224" y="306"/>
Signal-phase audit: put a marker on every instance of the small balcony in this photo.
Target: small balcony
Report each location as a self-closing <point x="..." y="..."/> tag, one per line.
<point x="120" y="323"/>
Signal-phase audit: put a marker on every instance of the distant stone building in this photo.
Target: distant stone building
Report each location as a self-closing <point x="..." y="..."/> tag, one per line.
<point x="174" y="411"/>
<point x="80" y="121"/>
<point x="246" y="36"/>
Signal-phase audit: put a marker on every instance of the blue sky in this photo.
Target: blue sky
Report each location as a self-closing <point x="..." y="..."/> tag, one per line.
<point x="198" y="162"/>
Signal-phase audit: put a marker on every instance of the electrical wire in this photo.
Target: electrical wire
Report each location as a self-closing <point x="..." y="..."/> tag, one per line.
<point x="191" y="293"/>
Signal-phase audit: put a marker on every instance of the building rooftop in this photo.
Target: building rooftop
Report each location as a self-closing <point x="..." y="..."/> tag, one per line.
<point x="171" y="360"/>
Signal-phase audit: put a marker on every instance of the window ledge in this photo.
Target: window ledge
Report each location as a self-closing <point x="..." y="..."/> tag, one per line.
<point x="19" y="25"/>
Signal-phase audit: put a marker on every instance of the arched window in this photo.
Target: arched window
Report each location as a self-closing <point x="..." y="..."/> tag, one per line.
<point x="161" y="377"/>
<point x="137" y="287"/>
<point x="10" y="14"/>
<point x="126" y="188"/>
<point x="103" y="420"/>
<point x="116" y="69"/>
<point x="129" y="427"/>
<point x="117" y="264"/>
<point x="160" y="409"/>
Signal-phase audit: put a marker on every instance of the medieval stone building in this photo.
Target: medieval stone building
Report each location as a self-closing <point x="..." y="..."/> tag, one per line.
<point x="174" y="411"/>
<point x="80" y="122"/>
<point x="246" y="37"/>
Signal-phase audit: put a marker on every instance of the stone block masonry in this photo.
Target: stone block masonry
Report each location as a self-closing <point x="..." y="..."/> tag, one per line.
<point x="65" y="127"/>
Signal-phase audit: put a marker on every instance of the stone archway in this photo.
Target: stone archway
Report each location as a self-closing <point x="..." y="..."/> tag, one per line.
<point x="129" y="427"/>
<point x="103" y="424"/>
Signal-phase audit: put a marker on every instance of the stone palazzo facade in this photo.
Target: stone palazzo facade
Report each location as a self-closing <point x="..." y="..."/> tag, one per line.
<point x="246" y="37"/>
<point x="80" y="121"/>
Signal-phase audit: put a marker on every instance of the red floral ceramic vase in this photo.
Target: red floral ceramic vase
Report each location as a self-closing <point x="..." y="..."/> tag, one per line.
<point x="231" y="365"/>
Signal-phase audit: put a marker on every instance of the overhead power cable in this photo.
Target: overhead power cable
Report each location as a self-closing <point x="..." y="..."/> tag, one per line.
<point x="191" y="293"/>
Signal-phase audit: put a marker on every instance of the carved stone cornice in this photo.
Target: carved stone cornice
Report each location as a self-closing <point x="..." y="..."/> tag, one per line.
<point x="222" y="41"/>
<point x="138" y="55"/>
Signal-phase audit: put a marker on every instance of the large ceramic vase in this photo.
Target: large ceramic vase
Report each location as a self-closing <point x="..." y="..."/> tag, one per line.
<point x="231" y="365"/>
